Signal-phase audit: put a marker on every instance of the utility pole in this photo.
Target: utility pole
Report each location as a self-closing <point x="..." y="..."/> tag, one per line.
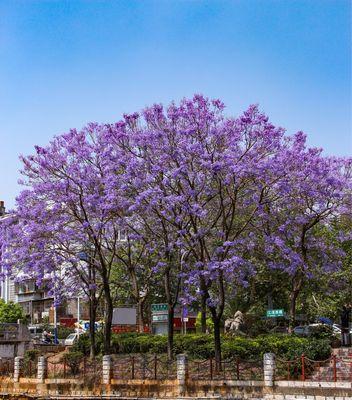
<point x="78" y="315"/>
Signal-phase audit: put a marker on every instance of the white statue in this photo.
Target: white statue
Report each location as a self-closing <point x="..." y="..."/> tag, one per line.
<point x="232" y="325"/>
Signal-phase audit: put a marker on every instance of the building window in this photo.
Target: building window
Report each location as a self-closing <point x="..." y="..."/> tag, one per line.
<point x="122" y="235"/>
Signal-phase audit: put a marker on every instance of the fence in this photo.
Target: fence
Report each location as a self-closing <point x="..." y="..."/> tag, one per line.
<point x="337" y="368"/>
<point x="6" y="367"/>
<point x="144" y="367"/>
<point x="9" y="332"/>
<point x="333" y="369"/>
<point x="233" y="369"/>
<point x="85" y="368"/>
<point x="159" y="368"/>
<point x="29" y="368"/>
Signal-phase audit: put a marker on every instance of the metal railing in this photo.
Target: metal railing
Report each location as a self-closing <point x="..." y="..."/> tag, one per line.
<point x="6" y="367"/>
<point x="231" y="369"/>
<point x="9" y="332"/>
<point x="144" y="367"/>
<point x="86" y="369"/>
<point x="336" y="368"/>
<point x="333" y="369"/>
<point x="29" y="368"/>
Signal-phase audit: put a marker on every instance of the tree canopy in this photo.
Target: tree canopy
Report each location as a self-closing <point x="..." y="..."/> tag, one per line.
<point x="205" y="202"/>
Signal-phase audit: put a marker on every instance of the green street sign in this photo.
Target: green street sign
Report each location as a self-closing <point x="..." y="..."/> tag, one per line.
<point x="159" y="307"/>
<point x="160" y="318"/>
<point x="275" y="313"/>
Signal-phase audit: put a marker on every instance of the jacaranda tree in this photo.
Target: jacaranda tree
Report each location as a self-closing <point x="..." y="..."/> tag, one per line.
<point x="203" y="196"/>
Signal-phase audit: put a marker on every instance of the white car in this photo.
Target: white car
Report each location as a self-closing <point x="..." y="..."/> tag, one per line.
<point x="302" y="330"/>
<point x="71" y="339"/>
<point x="337" y="328"/>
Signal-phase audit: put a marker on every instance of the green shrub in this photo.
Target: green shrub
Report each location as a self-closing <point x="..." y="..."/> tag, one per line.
<point x="10" y="312"/>
<point x="210" y="323"/>
<point x="200" y="346"/>
<point x="82" y="345"/>
<point x="321" y="332"/>
<point x="62" y="331"/>
<point x="138" y="343"/>
<point x="73" y="360"/>
<point x="30" y="360"/>
<point x="195" y="345"/>
<point x="31" y="354"/>
<point x="240" y="347"/>
<point x="289" y="346"/>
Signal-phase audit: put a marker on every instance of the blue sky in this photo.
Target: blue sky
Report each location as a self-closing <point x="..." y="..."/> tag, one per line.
<point x="64" y="63"/>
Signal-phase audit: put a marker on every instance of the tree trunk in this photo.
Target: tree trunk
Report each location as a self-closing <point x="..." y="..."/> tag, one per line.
<point x="293" y="300"/>
<point x="108" y="315"/>
<point x="216" y="313"/>
<point x="297" y="282"/>
<point x="170" y="331"/>
<point x="139" y="300"/>
<point x="217" y="342"/>
<point x="140" y="315"/>
<point x="93" y="304"/>
<point x="170" y="319"/>
<point x="92" y="319"/>
<point x="203" y="306"/>
<point x="203" y="311"/>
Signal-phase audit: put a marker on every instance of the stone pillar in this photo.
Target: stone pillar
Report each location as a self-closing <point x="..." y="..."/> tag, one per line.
<point x="107" y="370"/>
<point x="269" y="369"/>
<point x="182" y="373"/>
<point x="42" y="369"/>
<point x="18" y="365"/>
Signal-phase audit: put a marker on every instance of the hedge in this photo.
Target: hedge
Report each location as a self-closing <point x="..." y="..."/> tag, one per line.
<point x="200" y="346"/>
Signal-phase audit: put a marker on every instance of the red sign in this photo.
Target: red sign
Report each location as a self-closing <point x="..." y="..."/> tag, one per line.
<point x="129" y="328"/>
<point x="190" y="324"/>
<point x="68" y="322"/>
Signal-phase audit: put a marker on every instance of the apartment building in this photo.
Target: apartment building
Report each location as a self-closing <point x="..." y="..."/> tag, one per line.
<point x="7" y="287"/>
<point x="35" y="301"/>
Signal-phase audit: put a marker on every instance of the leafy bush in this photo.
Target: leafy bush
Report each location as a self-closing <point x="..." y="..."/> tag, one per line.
<point x="210" y="323"/>
<point x="138" y="343"/>
<point x="30" y="359"/>
<point x="321" y="332"/>
<point x="240" y="347"/>
<point x="31" y="354"/>
<point x="200" y="346"/>
<point x="10" y="312"/>
<point x="73" y="359"/>
<point x="82" y="345"/>
<point x="290" y="347"/>
<point x="62" y="331"/>
<point x="195" y="345"/>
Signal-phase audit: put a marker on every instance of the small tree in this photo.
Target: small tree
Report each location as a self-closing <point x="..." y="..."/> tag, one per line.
<point x="10" y="312"/>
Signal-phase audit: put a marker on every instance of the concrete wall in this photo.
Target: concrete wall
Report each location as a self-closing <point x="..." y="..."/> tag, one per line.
<point x="12" y="350"/>
<point x="168" y="389"/>
<point x="100" y="384"/>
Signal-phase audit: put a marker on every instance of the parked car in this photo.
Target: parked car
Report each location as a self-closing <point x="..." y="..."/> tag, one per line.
<point x="307" y="330"/>
<point x="301" y="330"/>
<point x="337" y="328"/>
<point x="71" y="339"/>
<point x="279" y="329"/>
<point x="36" y="332"/>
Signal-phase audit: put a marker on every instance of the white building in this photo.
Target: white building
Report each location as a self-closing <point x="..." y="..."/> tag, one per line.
<point x="7" y="287"/>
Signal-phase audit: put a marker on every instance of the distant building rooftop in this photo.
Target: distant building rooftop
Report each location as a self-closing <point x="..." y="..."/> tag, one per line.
<point x="2" y="208"/>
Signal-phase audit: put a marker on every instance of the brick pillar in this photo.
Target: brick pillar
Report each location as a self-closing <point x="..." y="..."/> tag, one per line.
<point x="42" y="370"/>
<point x="182" y="373"/>
<point x="269" y="369"/>
<point x="18" y="365"/>
<point x="107" y="370"/>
